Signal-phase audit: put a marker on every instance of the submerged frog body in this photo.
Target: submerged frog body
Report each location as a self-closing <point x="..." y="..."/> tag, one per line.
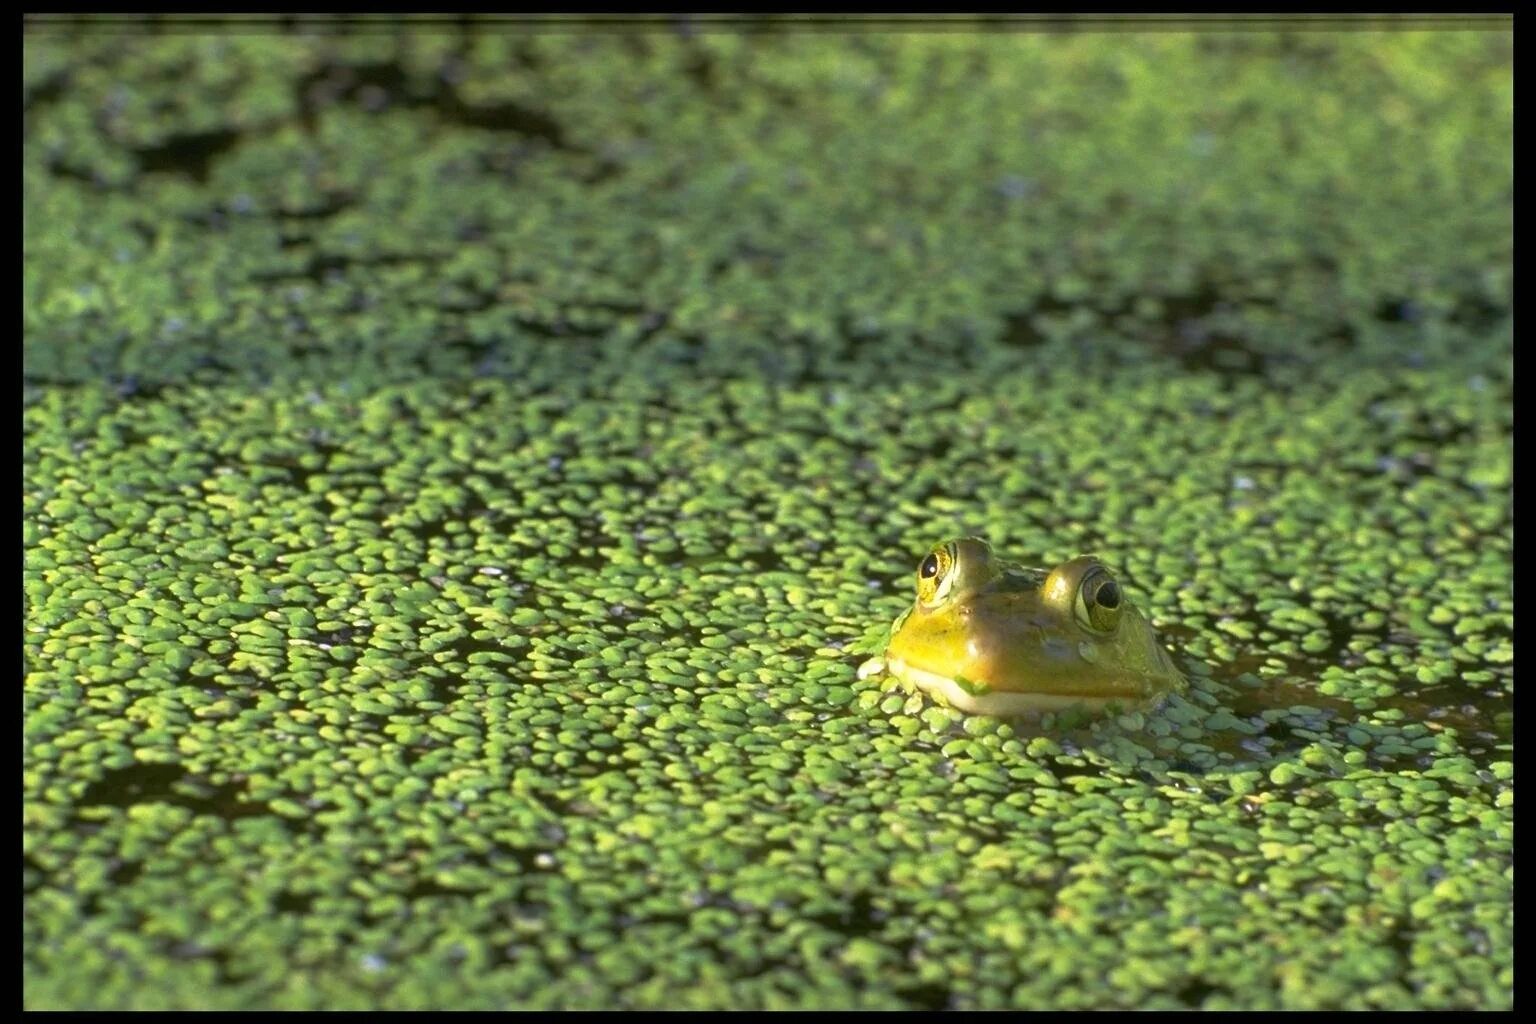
<point x="993" y="637"/>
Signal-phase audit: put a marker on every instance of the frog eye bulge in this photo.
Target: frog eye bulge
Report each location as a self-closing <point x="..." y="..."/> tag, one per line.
<point x="1098" y="602"/>
<point x="934" y="577"/>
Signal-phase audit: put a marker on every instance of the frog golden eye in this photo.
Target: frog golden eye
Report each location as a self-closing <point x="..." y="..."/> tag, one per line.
<point x="935" y="575"/>
<point x="1098" y="602"/>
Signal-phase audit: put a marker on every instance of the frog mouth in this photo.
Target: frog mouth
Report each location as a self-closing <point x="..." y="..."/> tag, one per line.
<point x="981" y="699"/>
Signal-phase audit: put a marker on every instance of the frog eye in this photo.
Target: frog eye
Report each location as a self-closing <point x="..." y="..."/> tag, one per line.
<point x="935" y="575"/>
<point x="1098" y="601"/>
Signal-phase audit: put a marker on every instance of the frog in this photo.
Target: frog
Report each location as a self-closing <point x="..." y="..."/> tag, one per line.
<point x="994" y="637"/>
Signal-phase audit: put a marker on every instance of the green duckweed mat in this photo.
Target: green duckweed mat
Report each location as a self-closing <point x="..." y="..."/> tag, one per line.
<point x="464" y="466"/>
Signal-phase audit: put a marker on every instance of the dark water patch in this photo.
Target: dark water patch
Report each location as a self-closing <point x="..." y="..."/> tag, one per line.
<point x="1023" y="330"/>
<point x="191" y="154"/>
<point x="1478" y="314"/>
<point x="1482" y="725"/>
<point x="131" y="386"/>
<point x="173" y="784"/>
<point x="329" y="268"/>
<point x="60" y="167"/>
<point x="858" y="916"/>
<point x="557" y="328"/>
<point x="298" y="474"/>
<point x="1062" y="769"/>
<point x="1399" y="939"/>
<point x="42" y="94"/>
<point x="468" y="300"/>
<point x="289" y="902"/>
<point x="517" y="118"/>
<point x="373" y="86"/>
<point x="124" y="787"/>
<point x="33" y="875"/>
<point x="125" y="872"/>
<point x="700" y="68"/>
<point x="1191" y="328"/>
<point x="1482" y="717"/>
<point x="1490" y="718"/>
<point x="1398" y="309"/>
<point x="323" y="206"/>
<point x="337" y="637"/>
<point x="926" y="995"/>
<point x="191" y="949"/>
<point x="1290" y="690"/>
<point x="376" y="87"/>
<point x="1196" y="991"/>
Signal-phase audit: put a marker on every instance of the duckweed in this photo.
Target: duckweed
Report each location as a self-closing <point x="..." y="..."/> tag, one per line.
<point x="464" y="466"/>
